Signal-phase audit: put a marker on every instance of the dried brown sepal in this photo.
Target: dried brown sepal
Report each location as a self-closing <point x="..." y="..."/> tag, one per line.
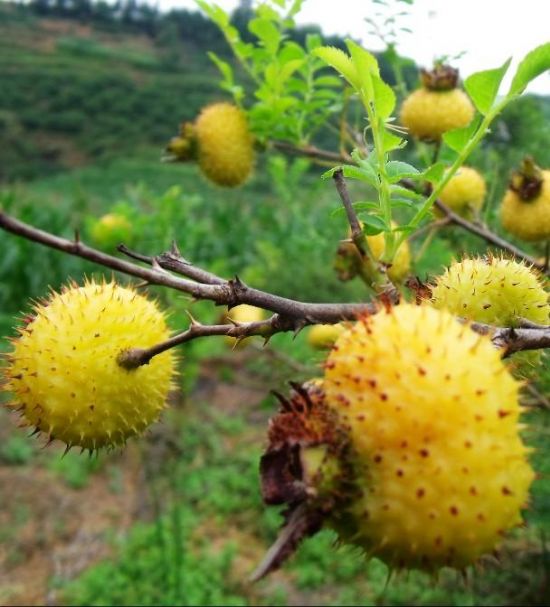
<point x="347" y="261"/>
<point x="421" y="290"/>
<point x="441" y="78"/>
<point x="303" y="467"/>
<point x="527" y="182"/>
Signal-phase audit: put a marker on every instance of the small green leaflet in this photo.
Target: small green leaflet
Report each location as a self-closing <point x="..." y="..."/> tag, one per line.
<point x="483" y="86"/>
<point x="434" y="173"/>
<point x="458" y="138"/>
<point x="397" y="170"/>
<point x="373" y="224"/>
<point x="341" y="62"/>
<point x="533" y="64"/>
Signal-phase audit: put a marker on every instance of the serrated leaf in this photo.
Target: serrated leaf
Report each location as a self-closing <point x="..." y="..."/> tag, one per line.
<point x="483" y="86"/>
<point x="224" y="67"/>
<point x="458" y="138"/>
<point x="392" y="142"/>
<point x="533" y="64"/>
<point x="396" y="170"/>
<point x="330" y="173"/>
<point x="363" y="173"/>
<point x="384" y="97"/>
<point x="373" y="224"/>
<point x="267" y="33"/>
<point x="365" y="63"/>
<point x="434" y="173"/>
<point x="341" y="62"/>
<point x="400" y="191"/>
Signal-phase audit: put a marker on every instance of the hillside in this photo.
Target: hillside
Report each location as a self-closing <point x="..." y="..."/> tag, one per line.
<point x="73" y="93"/>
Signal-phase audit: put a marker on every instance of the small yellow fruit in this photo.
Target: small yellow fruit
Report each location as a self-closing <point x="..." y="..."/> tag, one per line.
<point x="432" y="414"/>
<point x="241" y="314"/>
<point x="428" y="114"/>
<point x="225" y="144"/>
<point x="324" y="336"/>
<point x="402" y="261"/>
<point x="63" y="370"/>
<point x="494" y="291"/>
<point x="465" y="192"/>
<point x="111" y="229"/>
<point x="528" y="219"/>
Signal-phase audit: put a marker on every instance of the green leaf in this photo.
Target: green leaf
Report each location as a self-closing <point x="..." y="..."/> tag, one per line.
<point x="384" y="97"/>
<point x="267" y="33"/>
<point x="392" y="142"/>
<point x="434" y="173"/>
<point x="341" y="62"/>
<point x="458" y="138"/>
<point x="373" y="224"/>
<point x="365" y="62"/>
<point x="401" y="192"/>
<point x="224" y="67"/>
<point x="361" y="173"/>
<point x="533" y="64"/>
<point x="396" y="170"/>
<point x="483" y="86"/>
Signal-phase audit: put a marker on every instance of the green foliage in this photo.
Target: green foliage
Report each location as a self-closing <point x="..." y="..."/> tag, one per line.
<point x="16" y="450"/>
<point x="75" y="469"/>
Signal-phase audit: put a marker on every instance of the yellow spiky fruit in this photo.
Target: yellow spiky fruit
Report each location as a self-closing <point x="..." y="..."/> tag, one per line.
<point x="432" y="416"/>
<point x="241" y="314"/>
<point x="465" y="192"/>
<point x="225" y="144"/>
<point x="111" y="229"/>
<point x="63" y="371"/>
<point x="528" y="217"/>
<point x="492" y="290"/>
<point x="324" y="336"/>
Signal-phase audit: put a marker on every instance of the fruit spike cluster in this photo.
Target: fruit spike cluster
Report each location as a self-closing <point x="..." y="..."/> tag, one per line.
<point x="434" y="470"/>
<point x="63" y="370"/>
<point x="492" y="290"/>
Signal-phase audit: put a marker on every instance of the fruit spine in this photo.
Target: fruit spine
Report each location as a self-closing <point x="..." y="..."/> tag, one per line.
<point x="63" y="371"/>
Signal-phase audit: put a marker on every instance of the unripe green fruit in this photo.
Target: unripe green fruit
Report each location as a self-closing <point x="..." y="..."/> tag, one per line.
<point x="225" y="144"/>
<point x="63" y="371"/>
<point x="111" y="230"/>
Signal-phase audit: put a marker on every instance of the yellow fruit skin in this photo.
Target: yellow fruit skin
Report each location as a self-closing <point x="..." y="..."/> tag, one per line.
<point x="428" y="114"/>
<point x="494" y="291"/>
<point x="528" y="220"/>
<point x="401" y="262"/>
<point x="243" y="313"/>
<point x="324" y="336"/>
<point x="111" y="229"/>
<point x="465" y="192"/>
<point x="64" y="375"/>
<point x="225" y="144"/>
<point x="432" y="414"/>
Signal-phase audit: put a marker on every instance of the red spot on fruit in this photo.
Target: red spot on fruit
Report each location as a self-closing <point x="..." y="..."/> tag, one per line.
<point x="453" y="510"/>
<point x="377" y="458"/>
<point x="503" y="413"/>
<point x="424" y="452"/>
<point x="506" y="491"/>
<point x="473" y="491"/>
<point x="420" y="492"/>
<point x="399" y="472"/>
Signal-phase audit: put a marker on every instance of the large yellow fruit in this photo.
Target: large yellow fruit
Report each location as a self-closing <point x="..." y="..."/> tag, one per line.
<point x="431" y="412"/>
<point x="225" y="144"/>
<point x="465" y="192"/>
<point x="492" y="290"/>
<point x="63" y="371"/>
<point x="528" y="217"/>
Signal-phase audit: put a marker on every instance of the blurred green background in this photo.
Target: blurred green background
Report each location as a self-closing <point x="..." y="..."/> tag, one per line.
<point x="89" y="97"/>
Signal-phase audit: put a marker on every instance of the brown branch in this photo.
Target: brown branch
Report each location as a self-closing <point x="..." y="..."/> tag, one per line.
<point x="357" y="234"/>
<point x="223" y="292"/>
<point x="481" y="231"/>
<point x="136" y="357"/>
